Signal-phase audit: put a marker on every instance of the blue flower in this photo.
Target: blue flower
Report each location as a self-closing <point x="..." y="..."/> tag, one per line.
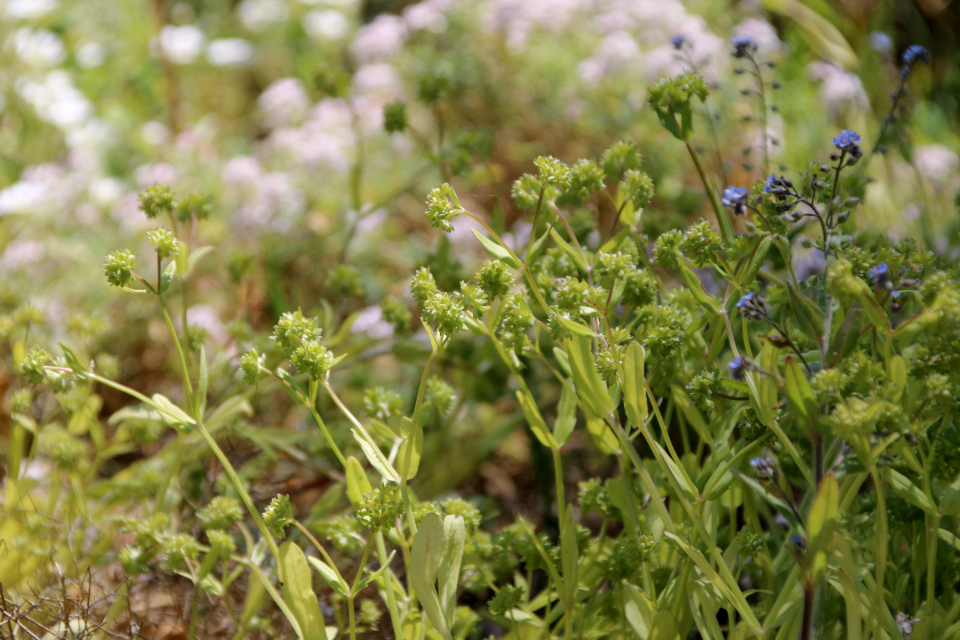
<point x="745" y="300"/>
<point x="895" y="294"/>
<point x="913" y="54"/>
<point x="743" y="46"/>
<point x="880" y="271"/>
<point x="764" y="468"/>
<point x="769" y="185"/>
<point x="678" y="41"/>
<point x="739" y="366"/>
<point x="736" y="199"/>
<point x="847" y="140"/>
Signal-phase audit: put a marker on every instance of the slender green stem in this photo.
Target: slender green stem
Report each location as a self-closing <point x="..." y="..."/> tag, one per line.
<point x="388" y="587"/>
<point x="326" y="434"/>
<point x="533" y="231"/>
<point x="187" y="384"/>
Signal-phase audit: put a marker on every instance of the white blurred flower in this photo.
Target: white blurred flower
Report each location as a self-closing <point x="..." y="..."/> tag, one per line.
<point x="181" y="45"/>
<point x="91" y="55"/>
<point x="20" y="253"/>
<point x="21" y="198"/>
<point x="55" y="99"/>
<point x="206" y="317"/>
<point x="29" y="9"/>
<point x="343" y="5"/>
<point x="230" y="52"/>
<point x="38" y="47"/>
<point x="881" y="42"/>
<point x="936" y="163"/>
<point x="154" y="133"/>
<point x="327" y="24"/>
<point x="283" y="103"/>
<point x="429" y="15"/>
<point x="616" y="50"/>
<point x="839" y="89"/>
<point x="159" y="173"/>
<point x="326" y="139"/>
<point x="106" y="192"/>
<point x="257" y="15"/>
<point x="762" y="33"/>
<point x="380" y="39"/>
<point x="371" y="322"/>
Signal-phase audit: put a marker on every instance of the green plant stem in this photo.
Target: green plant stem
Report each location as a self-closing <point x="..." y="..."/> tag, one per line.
<point x="187" y="384"/>
<point x="388" y="587"/>
<point x="533" y="231"/>
<point x="326" y="433"/>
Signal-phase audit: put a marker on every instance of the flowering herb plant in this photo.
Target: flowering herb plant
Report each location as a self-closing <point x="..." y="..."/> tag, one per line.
<point x="728" y="439"/>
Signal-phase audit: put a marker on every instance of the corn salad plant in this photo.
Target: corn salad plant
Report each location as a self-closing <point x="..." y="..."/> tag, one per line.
<point x="776" y="439"/>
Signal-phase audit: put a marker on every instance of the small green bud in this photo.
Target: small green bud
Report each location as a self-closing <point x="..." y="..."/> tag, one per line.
<point x="439" y="395"/>
<point x="507" y="599"/>
<point x="179" y="547"/>
<point x="155" y="200"/>
<point x="665" y="248"/>
<point x="33" y="364"/>
<point x="473" y="296"/>
<point x="60" y="446"/>
<point x="380" y="403"/>
<point x="21" y="400"/>
<point x="118" y="267"/>
<point x="526" y="191"/>
<point x="222" y="512"/>
<point x="251" y="363"/>
<point x="294" y="329"/>
<point x="313" y="358"/>
<point x="553" y="172"/>
<point x="396" y="313"/>
<point x="395" y="117"/>
<point x="194" y="204"/>
<point x="166" y="243"/>
<point x="278" y="515"/>
<point x="344" y="281"/>
<point x="7" y="327"/>
<point x="494" y="278"/>
<point x="444" y="311"/>
<point x="443" y="206"/>
<point x="221" y="543"/>
<point x="467" y="510"/>
<point x="380" y="509"/>
<point x="586" y="178"/>
<point x="134" y="560"/>
<point x="700" y="242"/>
<point x="620" y="158"/>
<point x="26" y="315"/>
<point x="422" y="285"/>
<point x="639" y="187"/>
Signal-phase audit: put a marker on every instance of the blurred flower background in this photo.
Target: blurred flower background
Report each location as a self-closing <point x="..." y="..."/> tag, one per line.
<point x="314" y="129"/>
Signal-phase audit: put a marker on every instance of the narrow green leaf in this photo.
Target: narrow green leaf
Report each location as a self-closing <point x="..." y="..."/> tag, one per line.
<point x="408" y="456"/>
<point x="682" y="481"/>
<point x="910" y="492"/>
<point x="809" y="316"/>
<point x="167" y="277"/>
<point x="759" y="256"/>
<point x="576" y="327"/>
<point x="357" y="482"/>
<point x="195" y="257"/>
<point x="204" y="380"/>
<point x="72" y="360"/>
<point x="897" y="375"/>
<point x="297" y="589"/>
<point x="845" y="338"/>
<point x="696" y="287"/>
<point x="664" y="626"/>
<point x="294" y="390"/>
<point x="569" y="557"/>
<point x="172" y="414"/>
<point x="375" y="457"/>
<point x="448" y="573"/>
<point x="571" y="252"/>
<point x="329" y="576"/>
<point x="800" y="396"/>
<point x="590" y="387"/>
<point x="538" y="244"/>
<point x="566" y="416"/>
<point x="820" y="523"/>
<point x="536" y="421"/>
<point x="425" y="555"/>
<point x="634" y="387"/>
<point x="496" y="250"/>
<point x="874" y="311"/>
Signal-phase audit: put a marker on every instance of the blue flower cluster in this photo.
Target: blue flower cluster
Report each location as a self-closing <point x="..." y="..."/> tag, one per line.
<point x="743" y="46"/>
<point x="736" y="199"/>
<point x="846" y="140"/>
